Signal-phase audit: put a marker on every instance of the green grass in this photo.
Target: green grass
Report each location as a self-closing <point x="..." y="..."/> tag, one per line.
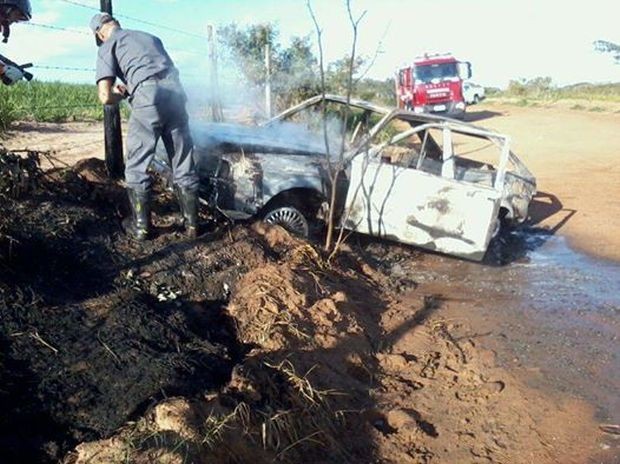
<point x="49" y="102"/>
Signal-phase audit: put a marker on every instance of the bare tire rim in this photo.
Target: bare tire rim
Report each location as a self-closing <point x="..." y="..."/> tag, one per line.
<point x="289" y="218"/>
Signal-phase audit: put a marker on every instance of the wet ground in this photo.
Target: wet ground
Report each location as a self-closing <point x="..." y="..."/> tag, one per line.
<point x="550" y="313"/>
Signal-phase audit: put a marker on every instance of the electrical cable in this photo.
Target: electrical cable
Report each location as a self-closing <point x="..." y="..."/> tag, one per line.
<point x="172" y="29"/>
<point x="71" y="2"/>
<point x="141" y="21"/>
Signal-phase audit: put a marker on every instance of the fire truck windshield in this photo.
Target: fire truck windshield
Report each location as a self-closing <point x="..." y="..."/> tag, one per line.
<point x="427" y="73"/>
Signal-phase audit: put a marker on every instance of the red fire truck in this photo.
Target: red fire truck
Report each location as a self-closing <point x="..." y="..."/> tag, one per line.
<point x="433" y="84"/>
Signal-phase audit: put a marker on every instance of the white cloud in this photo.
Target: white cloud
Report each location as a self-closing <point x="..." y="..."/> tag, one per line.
<point x="45" y="46"/>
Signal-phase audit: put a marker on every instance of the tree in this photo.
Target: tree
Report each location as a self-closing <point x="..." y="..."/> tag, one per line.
<point x="246" y="47"/>
<point x="337" y="74"/>
<point x="293" y="68"/>
<point x="381" y="92"/>
<point x="608" y="47"/>
<point x="536" y="87"/>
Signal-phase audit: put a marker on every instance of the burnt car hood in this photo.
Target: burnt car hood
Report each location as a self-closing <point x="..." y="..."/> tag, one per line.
<point x="280" y="138"/>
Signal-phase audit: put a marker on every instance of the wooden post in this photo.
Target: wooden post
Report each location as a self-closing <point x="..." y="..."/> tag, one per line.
<point x="216" y="105"/>
<point x="268" y="80"/>
<point x="112" y="127"/>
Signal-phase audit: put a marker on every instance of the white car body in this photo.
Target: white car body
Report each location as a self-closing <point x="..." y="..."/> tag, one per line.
<point x="420" y="179"/>
<point x="473" y="93"/>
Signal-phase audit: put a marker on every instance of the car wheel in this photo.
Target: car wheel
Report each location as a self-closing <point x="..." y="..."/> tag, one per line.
<point x="290" y="218"/>
<point x="476" y="99"/>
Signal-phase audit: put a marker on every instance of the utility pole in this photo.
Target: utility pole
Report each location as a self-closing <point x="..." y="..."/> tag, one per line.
<point x="268" y="80"/>
<point x="112" y="127"/>
<point x="216" y="104"/>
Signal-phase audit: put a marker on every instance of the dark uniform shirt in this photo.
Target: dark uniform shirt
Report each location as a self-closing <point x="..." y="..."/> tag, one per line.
<point x="132" y="56"/>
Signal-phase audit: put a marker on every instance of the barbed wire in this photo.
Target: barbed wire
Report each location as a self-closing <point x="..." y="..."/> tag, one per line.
<point x="56" y="28"/>
<point x="63" y="68"/>
<point x="59" y="107"/>
<point x="69" y="68"/>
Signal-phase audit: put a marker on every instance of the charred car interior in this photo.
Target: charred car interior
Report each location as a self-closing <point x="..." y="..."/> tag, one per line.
<point x="419" y="179"/>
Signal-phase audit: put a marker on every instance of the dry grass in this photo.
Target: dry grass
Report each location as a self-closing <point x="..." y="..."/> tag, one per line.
<point x="216" y="425"/>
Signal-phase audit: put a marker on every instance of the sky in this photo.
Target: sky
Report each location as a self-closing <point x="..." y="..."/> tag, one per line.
<point x="503" y="39"/>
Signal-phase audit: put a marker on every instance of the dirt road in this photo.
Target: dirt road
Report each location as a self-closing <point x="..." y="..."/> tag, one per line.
<point x="514" y="360"/>
<point x="69" y="142"/>
<point x="574" y="156"/>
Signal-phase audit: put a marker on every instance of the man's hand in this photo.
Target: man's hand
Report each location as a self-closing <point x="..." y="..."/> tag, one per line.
<point x="120" y="89"/>
<point x="109" y="94"/>
<point x="11" y="74"/>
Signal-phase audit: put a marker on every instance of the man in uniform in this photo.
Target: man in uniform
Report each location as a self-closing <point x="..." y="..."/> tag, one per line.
<point x="12" y="11"/>
<point x="157" y="99"/>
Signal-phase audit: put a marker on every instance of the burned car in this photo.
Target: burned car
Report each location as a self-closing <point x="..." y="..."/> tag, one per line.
<point x="419" y="179"/>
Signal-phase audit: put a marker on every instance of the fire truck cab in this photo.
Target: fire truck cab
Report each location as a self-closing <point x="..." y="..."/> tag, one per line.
<point x="433" y="84"/>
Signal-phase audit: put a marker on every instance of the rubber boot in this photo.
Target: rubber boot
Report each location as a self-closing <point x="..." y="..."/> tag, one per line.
<point x="138" y="224"/>
<point x="188" y="201"/>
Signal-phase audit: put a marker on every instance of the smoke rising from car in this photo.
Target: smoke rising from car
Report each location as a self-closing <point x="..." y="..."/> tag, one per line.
<point x="242" y="99"/>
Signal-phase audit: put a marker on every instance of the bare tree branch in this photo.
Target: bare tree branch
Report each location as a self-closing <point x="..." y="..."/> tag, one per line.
<point x="378" y="51"/>
<point x="336" y="168"/>
<point x="341" y="162"/>
<point x="319" y="34"/>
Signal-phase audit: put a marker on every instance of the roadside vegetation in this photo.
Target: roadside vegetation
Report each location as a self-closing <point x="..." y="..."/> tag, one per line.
<point x="295" y="74"/>
<point x="295" y="69"/>
<point x="48" y="102"/>
<point x="541" y="90"/>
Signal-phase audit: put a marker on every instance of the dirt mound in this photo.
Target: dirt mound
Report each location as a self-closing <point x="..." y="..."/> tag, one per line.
<point x="299" y="390"/>
<point x="92" y="170"/>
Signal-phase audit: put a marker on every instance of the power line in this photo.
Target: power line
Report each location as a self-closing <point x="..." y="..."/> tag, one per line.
<point x="172" y="29"/>
<point x="71" y="2"/>
<point x="141" y="21"/>
<point x="56" y="28"/>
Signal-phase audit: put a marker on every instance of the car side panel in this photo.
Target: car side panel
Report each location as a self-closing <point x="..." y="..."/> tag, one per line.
<point x="418" y="208"/>
<point x="287" y="172"/>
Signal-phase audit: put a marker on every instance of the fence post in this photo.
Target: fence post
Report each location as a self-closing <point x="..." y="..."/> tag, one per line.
<point x="112" y="127"/>
<point x="268" y="80"/>
<point x="216" y="104"/>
